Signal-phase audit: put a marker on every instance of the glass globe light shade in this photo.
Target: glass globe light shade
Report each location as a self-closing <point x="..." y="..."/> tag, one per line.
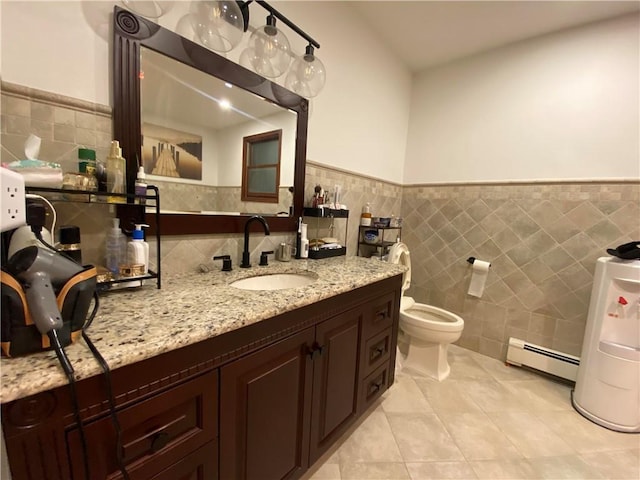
<point x="149" y="8"/>
<point x="268" y="52"/>
<point x="307" y="75"/>
<point x="217" y="24"/>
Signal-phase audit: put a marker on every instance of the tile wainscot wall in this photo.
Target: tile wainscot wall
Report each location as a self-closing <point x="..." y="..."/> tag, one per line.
<point x="542" y="239"/>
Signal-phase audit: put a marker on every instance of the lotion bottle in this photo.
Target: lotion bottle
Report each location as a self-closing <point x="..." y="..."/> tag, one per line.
<point x="138" y="249"/>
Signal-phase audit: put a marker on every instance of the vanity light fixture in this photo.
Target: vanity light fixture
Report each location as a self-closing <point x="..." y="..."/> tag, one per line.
<point x="219" y="26"/>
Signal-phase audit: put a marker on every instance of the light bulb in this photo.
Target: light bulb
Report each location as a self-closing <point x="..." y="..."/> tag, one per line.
<point x="218" y="25"/>
<point x="307" y="75"/>
<point x="268" y="51"/>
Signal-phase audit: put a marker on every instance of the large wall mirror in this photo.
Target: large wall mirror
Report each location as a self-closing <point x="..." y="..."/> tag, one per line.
<point x="183" y="112"/>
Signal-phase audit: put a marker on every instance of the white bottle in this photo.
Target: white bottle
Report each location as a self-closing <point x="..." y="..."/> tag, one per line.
<point x="141" y="186"/>
<point x="138" y="249"/>
<point x="116" y="241"/>
<point x="304" y="242"/>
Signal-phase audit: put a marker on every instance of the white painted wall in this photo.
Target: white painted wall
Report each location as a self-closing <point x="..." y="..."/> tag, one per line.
<point x="359" y="122"/>
<point x="562" y="106"/>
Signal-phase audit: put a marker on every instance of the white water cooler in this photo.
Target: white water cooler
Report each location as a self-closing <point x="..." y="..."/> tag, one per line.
<point x="608" y="385"/>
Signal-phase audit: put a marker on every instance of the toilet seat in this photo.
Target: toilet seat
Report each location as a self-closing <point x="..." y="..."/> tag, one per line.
<point x="428" y="316"/>
<point x="399" y="254"/>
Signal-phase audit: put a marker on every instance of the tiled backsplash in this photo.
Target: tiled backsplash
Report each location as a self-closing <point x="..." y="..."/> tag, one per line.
<point x="542" y="239"/>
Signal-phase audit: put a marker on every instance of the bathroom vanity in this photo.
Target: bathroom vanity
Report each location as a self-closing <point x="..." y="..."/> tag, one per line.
<point x="211" y="381"/>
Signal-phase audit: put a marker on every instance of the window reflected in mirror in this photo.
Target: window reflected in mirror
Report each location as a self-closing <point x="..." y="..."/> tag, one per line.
<point x="261" y="167"/>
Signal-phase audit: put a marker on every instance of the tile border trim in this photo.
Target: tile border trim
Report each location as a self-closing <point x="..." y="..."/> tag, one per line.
<point x="29" y="93"/>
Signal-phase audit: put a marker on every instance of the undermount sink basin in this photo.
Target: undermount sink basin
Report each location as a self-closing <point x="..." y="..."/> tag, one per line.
<point x="275" y="281"/>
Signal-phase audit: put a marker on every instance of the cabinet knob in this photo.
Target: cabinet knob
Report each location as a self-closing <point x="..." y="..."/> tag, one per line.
<point x="159" y="441"/>
<point x="316" y="349"/>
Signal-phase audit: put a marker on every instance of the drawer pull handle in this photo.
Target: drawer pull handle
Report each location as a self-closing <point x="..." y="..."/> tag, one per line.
<point x="381" y="315"/>
<point x="374" y="387"/>
<point x="376" y="352"/>
<point x="156" y="432"/>
<point x="159" y="441"/>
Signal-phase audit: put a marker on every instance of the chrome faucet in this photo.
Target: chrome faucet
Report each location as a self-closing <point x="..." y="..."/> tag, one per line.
<point x="245" y="253"/>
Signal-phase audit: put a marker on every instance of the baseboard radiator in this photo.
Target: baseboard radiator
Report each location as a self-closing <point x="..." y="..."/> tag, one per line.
<point x="541" y="358"/>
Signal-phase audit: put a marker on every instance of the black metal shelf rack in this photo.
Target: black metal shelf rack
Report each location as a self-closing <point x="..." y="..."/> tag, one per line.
<point x="151" y="199"/>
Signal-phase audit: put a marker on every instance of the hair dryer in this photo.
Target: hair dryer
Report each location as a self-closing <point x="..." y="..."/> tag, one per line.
<point x="41" y="271"/>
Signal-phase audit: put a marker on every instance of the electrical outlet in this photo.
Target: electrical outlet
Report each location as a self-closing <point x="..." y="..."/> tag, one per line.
<point x="12" y="200"/>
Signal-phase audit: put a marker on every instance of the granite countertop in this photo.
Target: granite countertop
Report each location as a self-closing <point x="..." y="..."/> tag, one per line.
<point x="136" y="324"/>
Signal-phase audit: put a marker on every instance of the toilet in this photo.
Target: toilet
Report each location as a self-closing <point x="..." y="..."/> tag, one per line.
<point x="425" y="331"/>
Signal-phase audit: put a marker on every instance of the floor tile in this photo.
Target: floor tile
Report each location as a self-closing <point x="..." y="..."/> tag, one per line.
<point x="477" y="437"/>
<point x="511" y="469"/>
<point x="372" y="441"/>
<point x="448" y="396"/>
<point x="618" y="465"/>
<point x="374" y="471"/>
<point x="530" y="435"/>
<point x="440" y="470"/>
<point x="492" y="396"/>
<point x="404" y="396"/>
<point x="463" y="366"/>
<point x="327" y="471"/>
<point x="423" y="438"/>
<point x="569" y="466"/>
<point x="584" y="435"/>
<point x="540" y="395"/>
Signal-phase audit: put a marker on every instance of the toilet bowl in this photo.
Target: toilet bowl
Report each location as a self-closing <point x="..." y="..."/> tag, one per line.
<point x="425" y="331"/>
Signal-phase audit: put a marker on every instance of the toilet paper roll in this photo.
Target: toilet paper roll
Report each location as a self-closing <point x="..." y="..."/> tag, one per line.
<point x="478" y="277"/>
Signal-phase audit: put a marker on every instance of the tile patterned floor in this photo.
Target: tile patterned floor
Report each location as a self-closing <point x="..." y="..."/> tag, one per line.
<point x="486" y="421"/>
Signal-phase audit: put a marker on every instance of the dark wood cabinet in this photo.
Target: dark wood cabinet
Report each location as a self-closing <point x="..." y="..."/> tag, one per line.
<point x="260" y="402"/>
<point x="265" y="410"/>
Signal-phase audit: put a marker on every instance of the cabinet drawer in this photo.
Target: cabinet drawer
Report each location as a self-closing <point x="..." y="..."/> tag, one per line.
<point x="199" y="465"/>
<point x="373" y="386"/>
<point x="156" y="432"/>
<point x="380" y="316"/>
<point x="376" y="351"/>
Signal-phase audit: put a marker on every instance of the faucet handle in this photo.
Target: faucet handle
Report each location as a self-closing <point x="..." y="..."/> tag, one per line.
<point x="226" y="262"/>
<point x="263" y="258"/>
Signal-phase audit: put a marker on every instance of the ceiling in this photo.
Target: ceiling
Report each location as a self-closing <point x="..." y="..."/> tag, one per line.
<point x="428" y="33"/>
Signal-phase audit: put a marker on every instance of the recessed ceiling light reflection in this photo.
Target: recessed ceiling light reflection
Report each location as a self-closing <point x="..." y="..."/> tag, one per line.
<point x="225" y="104"/>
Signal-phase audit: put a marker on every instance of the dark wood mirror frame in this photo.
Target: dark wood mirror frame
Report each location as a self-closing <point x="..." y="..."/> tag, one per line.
<point x="130" y="32"/>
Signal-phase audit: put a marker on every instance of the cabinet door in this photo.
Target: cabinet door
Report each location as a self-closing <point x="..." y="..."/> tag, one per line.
<point x="264" y="411"/>
<point x="335" y="379"/>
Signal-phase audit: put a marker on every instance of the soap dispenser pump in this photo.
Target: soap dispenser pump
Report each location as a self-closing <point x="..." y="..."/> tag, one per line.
<point x="138" y="249"/>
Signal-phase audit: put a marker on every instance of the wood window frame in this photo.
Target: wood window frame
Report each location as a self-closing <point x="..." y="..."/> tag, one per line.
<point x="247" y="143"/>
